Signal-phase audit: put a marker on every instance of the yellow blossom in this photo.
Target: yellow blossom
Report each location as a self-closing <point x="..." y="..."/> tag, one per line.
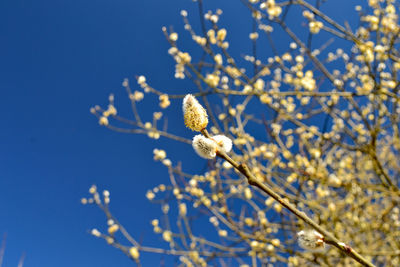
<point x="315" y="26"/>
<point x="95" y="232"/>
<point x="221" y="34"/>
<point x="247" y="193"/>
<point x="134" y="252"/>
<point x="159" y="154"/>
<point x="253" y="36"/>
<point x="212" y="80"/>
<point x="167" y="235"/>
<point x="113" y="228"/>
<point x="164" y="101"/>
<point x="182" y="209"/>
<point x="103" y="121"/>
<point x="173" y="36"/>
<point x="141" y="80"/>
<point x="222" y="233"/>
<point x="195" y="116"/>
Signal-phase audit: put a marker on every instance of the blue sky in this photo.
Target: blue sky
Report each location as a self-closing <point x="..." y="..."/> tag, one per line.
<point x="57" y="59"/>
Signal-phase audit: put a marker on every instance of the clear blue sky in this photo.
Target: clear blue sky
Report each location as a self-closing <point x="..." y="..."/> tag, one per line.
<point x="57" y="59"/>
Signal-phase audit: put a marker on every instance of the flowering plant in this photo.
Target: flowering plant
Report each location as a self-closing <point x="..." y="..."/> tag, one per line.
<point x="302" y="146"/>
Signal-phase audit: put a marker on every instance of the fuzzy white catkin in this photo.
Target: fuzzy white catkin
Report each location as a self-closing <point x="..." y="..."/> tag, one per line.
<point x="224" y="143"/>
<point x="204" y="147"/>
<point x="310" y="240"/>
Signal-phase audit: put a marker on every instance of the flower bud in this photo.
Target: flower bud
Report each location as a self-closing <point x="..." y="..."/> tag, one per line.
<point x="311" y="240"/>
<point x="204" y="147"/>
<point x="182" y="209"/>
<point x="113" y="228"/>
<point x="224" y="143"/>
<point x="134" y="252"/>
<point x="194" y="115"/>
<point x="95" y="232"/>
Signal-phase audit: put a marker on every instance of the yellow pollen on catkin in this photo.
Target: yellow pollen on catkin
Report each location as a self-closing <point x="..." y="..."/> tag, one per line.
<point x="194" y="115"/>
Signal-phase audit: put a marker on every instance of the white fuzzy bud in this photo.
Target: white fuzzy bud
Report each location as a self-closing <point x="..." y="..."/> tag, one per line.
<point x="194" y="115"/>
<point x="224" y="143"/>
<point x="95" y="232"/>
<point x="311" y="240"/>
<point x="204" y="147"/>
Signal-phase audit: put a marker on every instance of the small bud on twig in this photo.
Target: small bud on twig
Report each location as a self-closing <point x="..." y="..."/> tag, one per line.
<point x="134" y="252"/>
<point x="311" y="240"/>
